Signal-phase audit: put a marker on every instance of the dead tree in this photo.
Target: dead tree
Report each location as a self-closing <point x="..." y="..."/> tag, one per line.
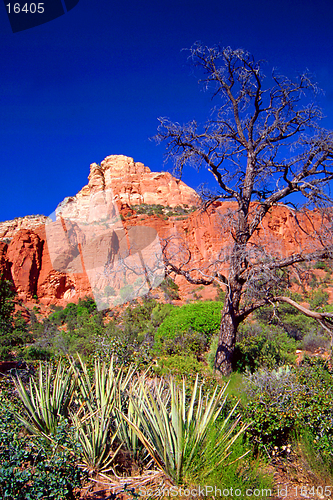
<point x="263" y="145"/>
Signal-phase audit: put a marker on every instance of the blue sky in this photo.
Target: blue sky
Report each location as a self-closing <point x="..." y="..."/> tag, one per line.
<point x="92" y="82"/>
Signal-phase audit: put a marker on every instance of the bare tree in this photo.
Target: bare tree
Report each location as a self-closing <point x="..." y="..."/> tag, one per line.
<point x="263" y="144"/>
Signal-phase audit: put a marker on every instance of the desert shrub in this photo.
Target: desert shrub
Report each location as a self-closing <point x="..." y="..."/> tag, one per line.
<point x="67" y="331"/>
<point x="321" y="265"/>
<point x="124" y="347"/>
<point x="272" y="398"/>
<point x="287" y="317"/>
<point x="129" y="336"/>
<point x="37" y="353"/>
<point x="319" y="299"/>
<point x="32" y="469"/>
<point x="159" y="313"/>
<point x="284" y="401"/>
<point x="136" y="317"/>
<point x="180" y="366"/>
<point x="81" y="338"/>
<point x="189" y="342"/>
<point x="72" y="311"/>
<point x="314" y="340"/>
<point x="203" y="318"/>
<point x="170" y="289"/>
<point x="260" y="345"/>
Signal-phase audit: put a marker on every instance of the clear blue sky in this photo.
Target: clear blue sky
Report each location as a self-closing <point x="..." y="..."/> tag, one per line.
<point x="92" y="82"/>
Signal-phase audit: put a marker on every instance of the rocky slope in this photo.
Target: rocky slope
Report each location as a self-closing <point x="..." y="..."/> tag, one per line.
<point x="60" y="273"/>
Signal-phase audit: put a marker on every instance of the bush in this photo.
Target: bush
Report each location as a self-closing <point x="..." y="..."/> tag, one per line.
<point x="170" y="289"/>
<point x="314" y="340"/>
<point x="32" y="469"/>
<point x="180" y="366"/>
<point x="319" y="299"/>
<point x="263" y="346"/>
<point x="199" y="319"/>
<point x="284" y="402"/>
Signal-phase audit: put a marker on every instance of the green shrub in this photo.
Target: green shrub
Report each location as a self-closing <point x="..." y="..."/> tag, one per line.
<point x="200" y="317"/>
<point x="33" y="469"/>
<point x="314" y="340"/>
<point x="272" y="400"/>
<point x="319" y="299"/>
<point x="283" y="402"/>
<point x="170" y="289"/>
<point x="37" y="353"/>
<point x="321" y="265"/>
<point x="261" y="345"/>
<point x="180" y="366"/>
<point x="159" y="313"/>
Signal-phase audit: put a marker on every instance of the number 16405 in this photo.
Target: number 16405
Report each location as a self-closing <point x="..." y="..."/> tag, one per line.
<point x="28" y="8"/>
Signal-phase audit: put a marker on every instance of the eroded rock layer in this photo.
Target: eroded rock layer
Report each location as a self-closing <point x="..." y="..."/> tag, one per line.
<point x="25" y="256"/>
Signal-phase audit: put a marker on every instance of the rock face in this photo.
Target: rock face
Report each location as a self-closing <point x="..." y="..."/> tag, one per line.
<point x="134" y="184"/>
<point x="10" y="227"/>
<point x="26" y="255"/>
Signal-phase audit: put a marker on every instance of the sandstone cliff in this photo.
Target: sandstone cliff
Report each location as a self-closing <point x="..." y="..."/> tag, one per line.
<point x="133" y="184"/>
<point x="27" y="255"/>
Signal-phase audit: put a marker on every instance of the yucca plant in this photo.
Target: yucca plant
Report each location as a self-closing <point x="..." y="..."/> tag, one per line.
<point x="127" y="435"/>
<point x="93" y="431"/>
<point x="95" y="417"/>
<point x="47" y="399"/>
<point x="174" y="430"/>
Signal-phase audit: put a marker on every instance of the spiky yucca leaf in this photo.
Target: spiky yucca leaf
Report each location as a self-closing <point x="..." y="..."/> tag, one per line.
<point x="94" y="433"/>
<point x="47" y="399"/>
<point x="175" y="432"/>
<point x="96" y="411"/>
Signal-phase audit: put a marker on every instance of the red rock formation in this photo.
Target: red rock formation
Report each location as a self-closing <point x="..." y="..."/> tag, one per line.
<point x="133" y="183"/>
<point x="24" y="255"/>
<point x="4" y="264"/>
<point x="27" y="259"/>
<point x="10" y="227"/>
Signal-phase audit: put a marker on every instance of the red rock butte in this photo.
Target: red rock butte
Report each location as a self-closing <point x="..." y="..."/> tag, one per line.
<point x="133" y="183"/>
<point x="25" y="259"/>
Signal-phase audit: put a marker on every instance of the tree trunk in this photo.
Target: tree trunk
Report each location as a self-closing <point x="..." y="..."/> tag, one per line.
<point x="227" y="339"/>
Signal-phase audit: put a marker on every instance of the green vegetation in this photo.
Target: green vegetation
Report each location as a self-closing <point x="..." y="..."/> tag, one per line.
<point x="83" y="418"/>
<point x="174" y="431"/>
<point x="188" y="328"/>
<point x="133" y="391"/>
<point x="163" y="211"/>
<point x="35" y="467"/>
<point x="13" y="331"/>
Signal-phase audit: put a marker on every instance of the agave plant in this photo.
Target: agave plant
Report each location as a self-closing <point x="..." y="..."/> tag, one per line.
<point x="95" y="416"/>
<point x="174" y="431"/>
<point x="47" y="399"/>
